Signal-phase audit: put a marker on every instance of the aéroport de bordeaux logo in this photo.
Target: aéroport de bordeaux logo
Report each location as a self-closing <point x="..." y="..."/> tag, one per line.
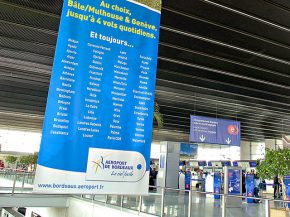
<point x="115" y="167"/>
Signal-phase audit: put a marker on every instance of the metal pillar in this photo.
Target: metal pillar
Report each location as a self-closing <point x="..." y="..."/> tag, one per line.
<point x="189" y="202"/>
<point x="267" y="208"/>
<point x="224" y="208"/>
<point x="162" y="202"/>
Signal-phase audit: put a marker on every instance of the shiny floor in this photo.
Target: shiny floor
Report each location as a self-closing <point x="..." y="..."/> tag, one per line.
<point x="176" y="204"/>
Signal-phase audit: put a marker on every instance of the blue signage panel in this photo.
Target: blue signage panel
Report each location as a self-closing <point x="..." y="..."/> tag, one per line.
<point x="201" y="163"/>
<point x="253" y="164"/>
<point x="234" y="181"/>
<point x="187" y="180"/>
<point x="287" y="185"/>
<point x="235" y="164"/>
<point x="250" y="186"/>
<point x="98" y="121"/>
<point x="214" y="130"/>
<point x="226" y="163"/>
<point x="217" y="181"/>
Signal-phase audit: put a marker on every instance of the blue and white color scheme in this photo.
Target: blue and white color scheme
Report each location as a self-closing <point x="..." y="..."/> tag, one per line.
<point x="214" y="131"/>
<point x="253" y="164"/>
<point x="287" y="185"/>
<point x="187" y="180"/>
<point x="250" y="187"/>
<point x="98" y="122"/>
<point x="217" y="181"/>
<point x="234" y="181"/>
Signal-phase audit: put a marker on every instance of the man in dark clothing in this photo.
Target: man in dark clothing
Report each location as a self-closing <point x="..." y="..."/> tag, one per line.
<point x="154" y="175"/>
<point x="276" y="187"/>
<point x="244" y="183"/>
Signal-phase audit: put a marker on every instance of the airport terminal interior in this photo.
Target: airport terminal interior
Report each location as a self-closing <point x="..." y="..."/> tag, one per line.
<point x="219" y="142"/>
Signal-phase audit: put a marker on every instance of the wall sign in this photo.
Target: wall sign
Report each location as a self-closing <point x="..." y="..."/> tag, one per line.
<point x="98" y="122"/>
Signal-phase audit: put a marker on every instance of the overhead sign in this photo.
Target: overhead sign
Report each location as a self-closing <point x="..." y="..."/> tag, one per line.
<point x="214" y="131"/>
<point x="235" y="164"/>
<point x="253" y="164"/>
<point x="201" y="163"/>
<point x="98" y="123"/>
<point x="226" y="163"/>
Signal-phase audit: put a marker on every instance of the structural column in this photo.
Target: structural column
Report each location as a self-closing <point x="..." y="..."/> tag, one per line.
<point x="169" y="164"/>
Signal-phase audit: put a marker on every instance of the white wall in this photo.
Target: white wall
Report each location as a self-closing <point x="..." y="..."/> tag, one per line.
<point x="217" y="152"/>
<point x="155" y="151"/>
<point x="257" y="150"/>
<point x="245" y="150"/>
<point x="19" y="141"/>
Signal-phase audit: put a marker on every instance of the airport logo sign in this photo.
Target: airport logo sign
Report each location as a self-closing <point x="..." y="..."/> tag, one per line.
<point x="122" y="166"/>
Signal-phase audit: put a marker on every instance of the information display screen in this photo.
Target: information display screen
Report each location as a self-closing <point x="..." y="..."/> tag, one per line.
<point x="253" y="164"/>
<point x="202" y="163"/>
<point x="235" y="164"/>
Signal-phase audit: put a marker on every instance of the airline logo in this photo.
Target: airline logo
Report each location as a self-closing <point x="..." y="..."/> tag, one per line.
<point x="233" y="130"/>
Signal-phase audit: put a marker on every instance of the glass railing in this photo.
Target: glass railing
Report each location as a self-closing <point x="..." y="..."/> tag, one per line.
<point x="14" y="180"/>
<point x="164" y="201"/>
<point x="183" y="203"/>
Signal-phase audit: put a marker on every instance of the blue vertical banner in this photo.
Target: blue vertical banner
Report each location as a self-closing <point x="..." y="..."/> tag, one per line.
<point x="250" y="186"/>
<point x="187" y="180"/>
<point x="234" y="181"/>
<point x="98" y="122"/>
<point x="217" y="181"/>
<point x="287" y="186"/>
<point x="214" y="131"/>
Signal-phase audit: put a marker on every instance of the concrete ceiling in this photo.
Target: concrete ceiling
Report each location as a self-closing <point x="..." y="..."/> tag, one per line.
<point x="221" y="58"/>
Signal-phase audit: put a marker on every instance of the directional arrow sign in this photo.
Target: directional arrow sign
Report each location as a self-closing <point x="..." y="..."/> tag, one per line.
<point x="228" y="141"/>
<point x="202" y="138"/>
<point x="214" y="131"/>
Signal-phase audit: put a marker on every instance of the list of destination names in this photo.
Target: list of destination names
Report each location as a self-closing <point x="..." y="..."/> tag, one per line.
<point x="65" y="92"/>
<point x="118" y="90"/>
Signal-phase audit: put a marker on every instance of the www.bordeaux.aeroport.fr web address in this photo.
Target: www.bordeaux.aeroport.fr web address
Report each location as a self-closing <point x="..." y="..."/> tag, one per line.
<point x="66" y="186"/>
